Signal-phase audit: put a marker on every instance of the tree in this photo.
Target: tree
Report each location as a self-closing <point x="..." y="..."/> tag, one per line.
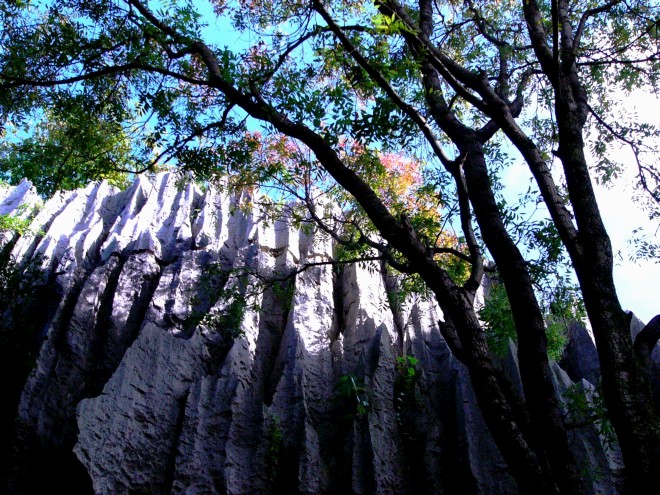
<point x="451" y="86"/>
<point x="64" y="151"/>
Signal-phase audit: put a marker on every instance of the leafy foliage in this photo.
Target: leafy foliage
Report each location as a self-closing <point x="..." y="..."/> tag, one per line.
<point x="218" y="303"/>
<point x="350" y="393"/>
<point x="645" y="246"/>
<point x="500" y="328"/>
<point x="17" y="222"/>
<point x="586" y="407"/>
<point x="405" y="399"/>
<point x="498" y="318"/>
<point x="65" y="150"/>
<point x="275" y="445"/>
<point x="228" y="320"/>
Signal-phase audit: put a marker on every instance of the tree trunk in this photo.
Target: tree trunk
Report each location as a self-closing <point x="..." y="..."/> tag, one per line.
<point x="626" y="386"/>
<point x="527" y="468"/>
<point x="549" y="435"/>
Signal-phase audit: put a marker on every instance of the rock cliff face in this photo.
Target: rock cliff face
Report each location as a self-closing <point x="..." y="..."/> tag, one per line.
<point x="180" y="352"/>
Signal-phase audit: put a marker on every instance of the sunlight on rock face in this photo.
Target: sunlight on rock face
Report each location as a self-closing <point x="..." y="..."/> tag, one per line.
<point x="198" y="347"/>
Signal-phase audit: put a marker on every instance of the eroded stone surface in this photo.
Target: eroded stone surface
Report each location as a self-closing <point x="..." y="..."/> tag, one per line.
<point x="21" y="201"/>
<point x="146" y="375"/>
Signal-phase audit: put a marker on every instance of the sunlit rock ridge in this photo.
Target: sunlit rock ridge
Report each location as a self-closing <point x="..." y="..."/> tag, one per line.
<point x="299" y="394"/>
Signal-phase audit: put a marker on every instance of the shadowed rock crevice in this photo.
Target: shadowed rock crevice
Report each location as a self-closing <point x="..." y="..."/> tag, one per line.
<point x="277" y="302"/>
<point x="395" y="303"/>
<point x="176" y="438"/>
<point x="338" y="302"/>
<point x="59" y="470"/>
<point x="122" y="311"/>
<point x="48" y="402"/>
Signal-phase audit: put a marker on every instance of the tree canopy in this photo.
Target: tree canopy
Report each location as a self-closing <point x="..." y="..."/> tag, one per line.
<point x="59" y="152"/>
<point x="404" y="114"/>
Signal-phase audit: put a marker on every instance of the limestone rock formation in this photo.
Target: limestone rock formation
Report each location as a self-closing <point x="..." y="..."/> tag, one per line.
<point x="191" y="344"/>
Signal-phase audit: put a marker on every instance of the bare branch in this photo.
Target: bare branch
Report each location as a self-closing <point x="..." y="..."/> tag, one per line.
<point x="146" y="13"/>
<point x="312" y="264"/>
<point x="291" y="47"/>
<point x="16" y="82"/>
<point x="106" y="71"/>
<point x="481" y="25"/>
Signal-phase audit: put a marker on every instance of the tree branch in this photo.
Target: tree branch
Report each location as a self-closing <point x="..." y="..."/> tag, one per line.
<point x="406" y="108"/>
<point x="583" y="20"/>
<point x="476" y="259"/>
<point x="635" y="150"/>
<point x="539" y="38"/>
<point x="449" y="333"/>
